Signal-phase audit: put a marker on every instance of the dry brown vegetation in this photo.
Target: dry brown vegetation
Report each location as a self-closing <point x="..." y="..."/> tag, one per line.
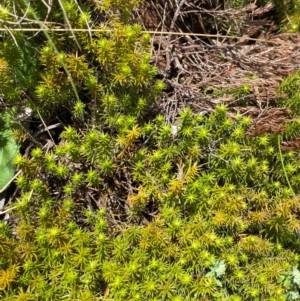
<point x="231" y="56"/>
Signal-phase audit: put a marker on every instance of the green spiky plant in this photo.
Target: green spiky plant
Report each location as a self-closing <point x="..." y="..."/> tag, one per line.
<point x="192" y="211"/>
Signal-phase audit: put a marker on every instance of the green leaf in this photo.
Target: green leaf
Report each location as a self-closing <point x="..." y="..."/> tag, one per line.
<point x="287" y="283"/>
<point x="220" y="269"/>
<point x="210" y="274"/>
<point x="8" y="150"/>
<point x="296" y="275"/>
<point x="294" y="295"/>
<point x="218" y="283"/>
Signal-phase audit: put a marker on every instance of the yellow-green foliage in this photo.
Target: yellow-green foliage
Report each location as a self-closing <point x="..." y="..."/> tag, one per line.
<point x="288" y="13"/>
<point x="225" y="228"/>
<point x="224" y="219"/>
<point x="51" y="259"/>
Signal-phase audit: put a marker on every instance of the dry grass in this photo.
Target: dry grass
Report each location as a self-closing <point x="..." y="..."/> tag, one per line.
<point x="204" y="72"/>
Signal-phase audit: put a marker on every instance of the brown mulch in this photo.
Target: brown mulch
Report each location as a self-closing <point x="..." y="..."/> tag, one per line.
<point x="203" y="71"/>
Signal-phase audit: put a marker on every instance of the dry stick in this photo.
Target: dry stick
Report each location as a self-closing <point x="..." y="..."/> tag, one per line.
<point x="12" y="208"/>
<point x="13" y="37"/>
<point x="7" y="210"/>
<point x="25" y="14"/>
<point x="85" y="20"/>
<point x="159" y="46"/>
<point x="46" y="128"/>
<point x="11" y="180"/>
<point x="68" y="22"/>
<point x="29" y="21"/>
<point x="150" y="32"/>
<point x="49" y="7"/>
<point x="168" y="58"/>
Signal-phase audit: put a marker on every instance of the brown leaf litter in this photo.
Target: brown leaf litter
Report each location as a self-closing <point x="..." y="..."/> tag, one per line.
<point x="243" y="71"/>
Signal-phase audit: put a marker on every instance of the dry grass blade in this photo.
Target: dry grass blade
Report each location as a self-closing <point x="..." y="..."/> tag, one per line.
<point x="68" y="23"/>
